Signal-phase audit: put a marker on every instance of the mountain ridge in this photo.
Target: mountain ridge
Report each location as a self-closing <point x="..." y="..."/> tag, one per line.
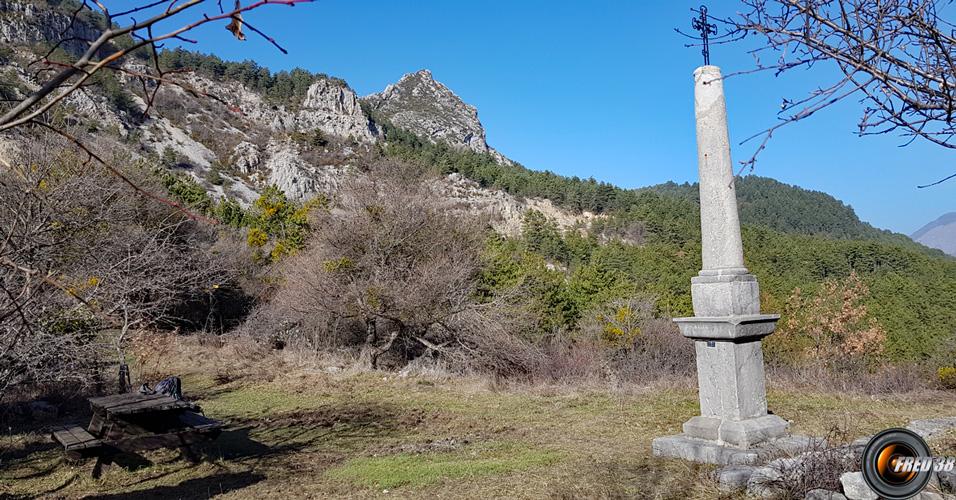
<point x="939" y="234"/>
<point x="303" y="131"/>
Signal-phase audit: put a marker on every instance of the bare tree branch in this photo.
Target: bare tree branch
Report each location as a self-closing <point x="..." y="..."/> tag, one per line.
<point x="896" y="56"/>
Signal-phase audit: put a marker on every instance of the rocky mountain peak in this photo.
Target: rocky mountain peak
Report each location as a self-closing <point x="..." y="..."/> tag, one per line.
<point x="426" y="107"/>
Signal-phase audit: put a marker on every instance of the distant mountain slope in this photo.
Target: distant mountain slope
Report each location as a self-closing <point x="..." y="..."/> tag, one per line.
<point x="791" y="209"/>
<point x="941" y="234"/>
<point x="301" y="131"/>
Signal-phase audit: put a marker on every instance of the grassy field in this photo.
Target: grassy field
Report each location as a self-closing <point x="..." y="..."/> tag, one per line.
<point x="306" y="433"/>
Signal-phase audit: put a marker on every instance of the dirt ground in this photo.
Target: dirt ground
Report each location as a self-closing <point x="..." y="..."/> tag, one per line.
<point x="314" y="429"/>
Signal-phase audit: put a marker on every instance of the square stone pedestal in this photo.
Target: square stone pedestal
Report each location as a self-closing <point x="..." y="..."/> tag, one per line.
<point x="734" y="425"/>
<point x="710" y="452"/>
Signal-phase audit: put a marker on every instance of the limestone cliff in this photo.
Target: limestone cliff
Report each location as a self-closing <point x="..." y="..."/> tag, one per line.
<point x="426" y="107"/>
<point x="236" y="138"/>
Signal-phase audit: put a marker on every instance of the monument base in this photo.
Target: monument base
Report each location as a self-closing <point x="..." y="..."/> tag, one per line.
<point x="743" y="434"/>
<point x="712" y="452"/>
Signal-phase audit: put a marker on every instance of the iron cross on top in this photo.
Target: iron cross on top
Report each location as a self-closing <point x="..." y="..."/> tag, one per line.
<point x="706" y="29"/>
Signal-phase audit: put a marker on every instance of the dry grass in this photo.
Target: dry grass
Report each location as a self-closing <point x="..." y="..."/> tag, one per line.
<point x="311" y="426"/>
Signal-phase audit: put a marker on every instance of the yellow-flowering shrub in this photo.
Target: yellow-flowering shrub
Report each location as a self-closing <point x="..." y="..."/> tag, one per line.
<point x="947" y="376"/>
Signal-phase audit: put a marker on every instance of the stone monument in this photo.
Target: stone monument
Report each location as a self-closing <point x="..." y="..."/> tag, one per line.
<point x="727" y="327"/>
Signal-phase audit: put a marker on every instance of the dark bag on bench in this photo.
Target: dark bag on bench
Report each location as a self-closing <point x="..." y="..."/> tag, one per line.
<point x="170" y="386"/>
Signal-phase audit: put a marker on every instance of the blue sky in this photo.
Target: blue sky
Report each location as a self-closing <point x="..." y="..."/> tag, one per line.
<point x="602" y="89"/>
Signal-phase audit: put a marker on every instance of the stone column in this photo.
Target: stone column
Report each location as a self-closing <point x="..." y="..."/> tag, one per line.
<point x="722" y="249"/>
<point x="727" y="325"/>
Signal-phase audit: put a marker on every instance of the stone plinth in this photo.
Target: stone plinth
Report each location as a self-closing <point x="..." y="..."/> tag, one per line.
<point x="727" y="327"/>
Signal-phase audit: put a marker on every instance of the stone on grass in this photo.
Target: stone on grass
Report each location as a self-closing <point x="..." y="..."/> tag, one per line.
<point x="855" y="488"/>
<point x="762" y="483"/>
<point x="824" y="495"/>
<point x="734" y="477"/>
<point x="931" y="427"/>
<point x="727" y="326"/>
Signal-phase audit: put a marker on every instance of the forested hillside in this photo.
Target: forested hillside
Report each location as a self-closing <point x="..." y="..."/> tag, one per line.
<point x="795" y="240"/>
<point x="313" y="186"/>
<point x="763" y="202"/>
<point x="774" y="205"/>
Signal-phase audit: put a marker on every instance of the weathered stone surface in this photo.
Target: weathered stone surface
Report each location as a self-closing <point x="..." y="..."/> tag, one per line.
<point x="332" y="107"/>
<point x="824" y="495"/>
<point x="931" y="427"/>
<point x="723" y="295"/>
<point x="32" y="23"/>
<point x="764" y="480"/>
<point x="288" y="171"/>
<point x="752" y="431"/>
<point x="727" y="325"/>
<point x="246" y="157"/>
<point x="947" y="481"/>
<point x="708" y="451"/>
<point x="734" y="477"/>
<point x="721" y="243"/>
<point x="748" y="327"/>
<point x="702" y="450"/>
<point x="929" y="495"/>
<point x="855" y="488"/>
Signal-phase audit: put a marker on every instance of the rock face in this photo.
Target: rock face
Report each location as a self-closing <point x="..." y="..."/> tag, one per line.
<point x="244" y="140"/>
<point x="286" y="170"/>
<point x="332" y="107"/>
<point x="29" y="23"/>
<point x="431" y="110"/>
<point x="506" y="212"/>
<point x="855" y="488"/>
<point x="941" y="234"/>
<point x="246" y="157"/>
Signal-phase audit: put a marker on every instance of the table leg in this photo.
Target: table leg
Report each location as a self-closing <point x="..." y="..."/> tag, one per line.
<point x="189" y="454"/>
<point x="96" y="425"/>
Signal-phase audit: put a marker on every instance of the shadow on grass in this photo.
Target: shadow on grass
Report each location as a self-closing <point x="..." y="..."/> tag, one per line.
<point x="204" y="487"/>
<point x="320" y="428"/>
<point x="265" y="445"/>
<point x="17" y="454"/>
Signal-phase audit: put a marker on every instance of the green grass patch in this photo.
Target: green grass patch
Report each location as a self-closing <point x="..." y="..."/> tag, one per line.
<point x="418" y="470"/>
<point x="259" y="400"/>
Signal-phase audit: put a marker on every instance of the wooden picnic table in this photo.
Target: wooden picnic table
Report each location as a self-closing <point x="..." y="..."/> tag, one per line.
<point x="135" y="421"/>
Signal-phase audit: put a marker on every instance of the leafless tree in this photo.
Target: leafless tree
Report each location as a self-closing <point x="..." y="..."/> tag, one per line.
<point x="85" y="260"/>
<point x="391" y="267"/>
<point x="897" y="57"/>
<point x="135" y="264"/>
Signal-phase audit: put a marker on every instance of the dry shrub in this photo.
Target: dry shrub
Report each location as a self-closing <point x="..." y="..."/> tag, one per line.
<point x="882" y="379"/>
<point x="85" y="259"/>
<point x="829" y="341"/>
<point x="391" y="270"/>
<point x="566" y="360"/>
<point x="638" y="347"/>
<point x="659" y="353"/>
<point x="224" y="358"/>
<point x="831" y="325"/>
<point x="818" y="466"/>
<point x="620" y="342"/>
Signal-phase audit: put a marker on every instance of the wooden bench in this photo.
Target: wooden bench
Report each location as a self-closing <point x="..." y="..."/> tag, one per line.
<point x="75" y="440"/>
<point x="135" y="422"/>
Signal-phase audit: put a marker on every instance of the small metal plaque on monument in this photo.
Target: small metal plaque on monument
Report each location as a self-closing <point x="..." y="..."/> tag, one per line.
<point x="734" y="425"/>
